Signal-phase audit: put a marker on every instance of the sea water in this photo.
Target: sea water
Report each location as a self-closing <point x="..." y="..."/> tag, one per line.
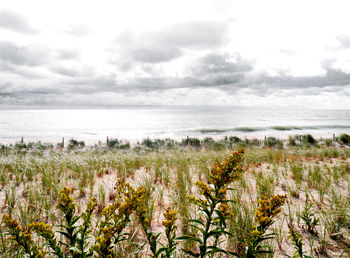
<point x="136" y="123"/>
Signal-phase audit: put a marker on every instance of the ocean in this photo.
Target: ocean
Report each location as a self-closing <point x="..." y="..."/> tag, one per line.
<point x="137" y="123"/>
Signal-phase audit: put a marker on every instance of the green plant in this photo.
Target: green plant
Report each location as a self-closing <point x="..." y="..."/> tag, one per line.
<point x="297" y="171"/>
<point x="297" y="240"/>
<point x="112" y="143"/>
<point x="75" y="144"/>
<point x="344" y="139"/>
<point x="116" y="216"/>
<point x="170" y="232"/>
<point x="47" y="233"/>
<point x="272" y="142"/>
<point x="278" y="231"/>
<point x="265" y="184"/>
<point x="309" y="218"/>
<point x="268" y="209"/>
<point x="308" y="139"/>
<point x="291" y="141"/>
<point x="76" y="235"/>
<point x="23" y="237"/>
<point x="195" y="142"/>
<point x="214" y="206"/>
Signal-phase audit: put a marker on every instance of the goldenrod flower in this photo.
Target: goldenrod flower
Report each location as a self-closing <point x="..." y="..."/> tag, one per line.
<point x="66" y="203"/>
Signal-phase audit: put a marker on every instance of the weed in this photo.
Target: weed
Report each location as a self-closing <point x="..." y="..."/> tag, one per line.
<point x="214" y="206"/>
<point x="309" y="218"/>
<point x="268" y="209"/>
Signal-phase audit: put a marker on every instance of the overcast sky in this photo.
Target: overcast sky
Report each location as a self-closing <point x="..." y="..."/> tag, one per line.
<point x="205" y="52"/>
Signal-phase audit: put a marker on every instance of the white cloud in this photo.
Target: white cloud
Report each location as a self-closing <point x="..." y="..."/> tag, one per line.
<point x="155" y="52"/>
<point x="10" y="20"/>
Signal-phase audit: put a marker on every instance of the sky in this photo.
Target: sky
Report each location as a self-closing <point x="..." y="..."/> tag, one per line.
<point x="175" y="53"/>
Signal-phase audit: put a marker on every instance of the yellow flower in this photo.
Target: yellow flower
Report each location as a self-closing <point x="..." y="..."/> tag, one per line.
<point x="66" y="203"/>
<point x="197" y="200"/>
<point x="206" y="189"/>
<point x="22" y="236"/>
<point x="110" y="209"/>
<point x="223" y="173"/>
<point x="42" y="229"/>
<point x="170" y="218"/>
<point x="225" y="209"/>
<point x="269" y="209"/>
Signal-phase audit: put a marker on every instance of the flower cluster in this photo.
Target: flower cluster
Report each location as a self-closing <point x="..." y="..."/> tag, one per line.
<point x="170" y="230"/>
<point x="132" y="200"/>
<point x="91" y="205"/>
<point x="214" y="204"/>
<point x="42" y="229"/>
<point x="47" y="233"/>
<point x="197" y="201"/>
<point x="117" y="215"/>
<point x="170" y="218"/>
<point x="23" y="237"/>
<point x="268" y="209"/>
<point x="66" y="203"/>
<point x="104" y="242"/>
<point x="225" y="209"/>
<point x="205" y="189"/>
<point x="223" y="173"/>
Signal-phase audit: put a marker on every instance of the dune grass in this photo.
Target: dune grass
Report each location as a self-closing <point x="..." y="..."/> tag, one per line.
<point x="157" y="179"/>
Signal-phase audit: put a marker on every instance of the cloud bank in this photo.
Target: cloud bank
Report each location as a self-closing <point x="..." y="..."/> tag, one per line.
<point x="218" y="53"/>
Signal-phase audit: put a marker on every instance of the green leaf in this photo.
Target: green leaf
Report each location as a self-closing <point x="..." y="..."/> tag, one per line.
<point x="264" y="252"/>
<point x="64" y="233"/>
<point x="192" y="238"/>
<point x="75" y="249"/>
<point x="170" y="251"/>
<point x="197" y="227"/>
<point x="207" y="213"/>
<point x="221" y="217"/>
<point x="196" y="221"/>
<point x="75" y="219"/>
<point x="160" y="250"/>
<point x="213" y="233"/>
<point x="215" y="249"/>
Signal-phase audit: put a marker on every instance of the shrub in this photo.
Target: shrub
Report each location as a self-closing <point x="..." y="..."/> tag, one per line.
<point x="75" y="144"/>
<point x="192" y="142"/>
<point x="308" y="139"/>
<point x="149" y="143"/>
<point x="113" y="143"/>
<point x="234" y="139"/>
<point x="344" y="139"/>
<point x="272" y="141"/>
<point x="291" y="141"/>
